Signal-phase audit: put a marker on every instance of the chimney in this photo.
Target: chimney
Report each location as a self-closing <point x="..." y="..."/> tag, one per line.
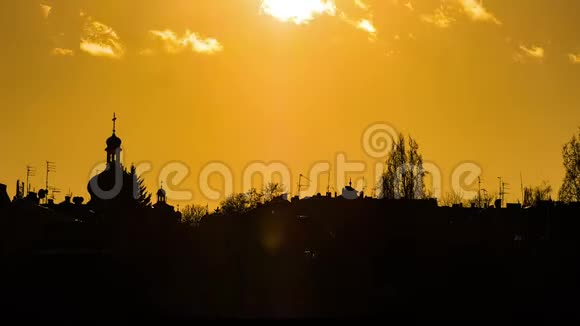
<point x="18" y="194"/>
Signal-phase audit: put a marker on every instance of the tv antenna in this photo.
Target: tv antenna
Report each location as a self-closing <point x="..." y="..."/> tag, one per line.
<point x="50" y="167"/>
<point x="30" y="172"/>
<point x="300" y="185"/>
<point x="53" y="190"/>
<point x="522" y="187"/>
<point x="480" y="181"/>
<point x="501" y="185"/>
<point x="502" y="188"/>
<point x="479" y="192"/>
<point x="486" y="197"/>
<point x="328" y="184"/>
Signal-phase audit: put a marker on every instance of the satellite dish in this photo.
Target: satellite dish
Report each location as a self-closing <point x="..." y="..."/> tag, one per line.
<point x="42" y="193"/>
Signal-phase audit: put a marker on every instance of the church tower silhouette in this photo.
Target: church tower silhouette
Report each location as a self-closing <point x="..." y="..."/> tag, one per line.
<point x="114" y="145"/>
<point x="115" y="186"/>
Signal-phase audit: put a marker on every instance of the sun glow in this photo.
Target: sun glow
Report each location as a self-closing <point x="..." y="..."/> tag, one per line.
<point x="298" y="11"/>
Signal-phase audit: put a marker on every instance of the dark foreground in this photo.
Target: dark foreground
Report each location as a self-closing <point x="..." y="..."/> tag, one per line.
<point x="356" y="259"/>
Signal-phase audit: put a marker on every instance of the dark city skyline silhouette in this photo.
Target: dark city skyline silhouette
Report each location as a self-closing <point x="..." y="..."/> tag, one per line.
<point x="414" y="161"/>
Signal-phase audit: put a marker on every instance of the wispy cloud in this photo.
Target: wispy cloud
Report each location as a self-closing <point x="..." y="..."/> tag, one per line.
<point x="45" y="10"/>
<point x="174" y="44"/>
<point x="363" y="24"/>
<point x="146" y="52"/>
<point x="475" y="10"/>
<point x="444" y="16"/>
<point x="98" y="39"/>
<point x="407" y="4"/>
<point x="361" y="4"/>
<point x="62" y="52"/>
<point x="440" y="18"/>
<point x="531" y="53"/>
<point x="574" y="58"/>
<point x="367" y="26"/>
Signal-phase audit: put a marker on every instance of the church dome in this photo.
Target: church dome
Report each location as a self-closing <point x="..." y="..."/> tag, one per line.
<point x="111" y="185"/>
<point x="114" y="141"/>
<point x="161" y="192"/>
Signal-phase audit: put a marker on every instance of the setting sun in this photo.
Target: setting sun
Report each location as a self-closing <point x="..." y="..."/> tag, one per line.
<point x="297" y="11"/>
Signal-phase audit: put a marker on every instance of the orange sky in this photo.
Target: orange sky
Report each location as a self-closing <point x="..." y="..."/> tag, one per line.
<point x="239" y="81"/>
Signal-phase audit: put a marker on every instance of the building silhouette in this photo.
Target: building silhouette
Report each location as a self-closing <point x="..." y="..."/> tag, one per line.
<point x="115" y="186"/>
<point x="4" y="198"/>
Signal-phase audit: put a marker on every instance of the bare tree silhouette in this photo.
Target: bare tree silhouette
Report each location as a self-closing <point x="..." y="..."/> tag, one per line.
<point x="533" y="195"/>
<point x="243" y="202"/>
<point x="273" y="190"/>
<point x="192" y="214"/>
<point x="404" y="174"/>
<point x="254" y="198"/>
<point x="235" y="204"/>
<point x="451" y="198"/>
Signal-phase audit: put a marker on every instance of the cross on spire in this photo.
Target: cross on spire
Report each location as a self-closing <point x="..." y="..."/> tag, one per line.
<point x="114" y="122"/>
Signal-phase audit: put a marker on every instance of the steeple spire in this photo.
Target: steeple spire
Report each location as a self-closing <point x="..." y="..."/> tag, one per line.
<point x="114" y="123"/>
<point x="161" y="195"/>
<point x="113" y="144"/>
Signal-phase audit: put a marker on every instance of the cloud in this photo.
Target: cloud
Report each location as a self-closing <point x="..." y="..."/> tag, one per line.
<point x="475" y="10"/>
<point x="444" y="16"/>
<point x="174" y="44"/>
<point x="574" y="58"/>
<point x="363" y="24"/>
<point x="407" y="4"/>
<point x="532" y="53"/>
<point x="45" y="9"/>
<point x="439" y="18"/>
<point x="147" y="52"/>
<point x="367" y="26"/>
<point x="62" y="52"/>
<point x="98" y="39"/>
<point x="361" y="4"/>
